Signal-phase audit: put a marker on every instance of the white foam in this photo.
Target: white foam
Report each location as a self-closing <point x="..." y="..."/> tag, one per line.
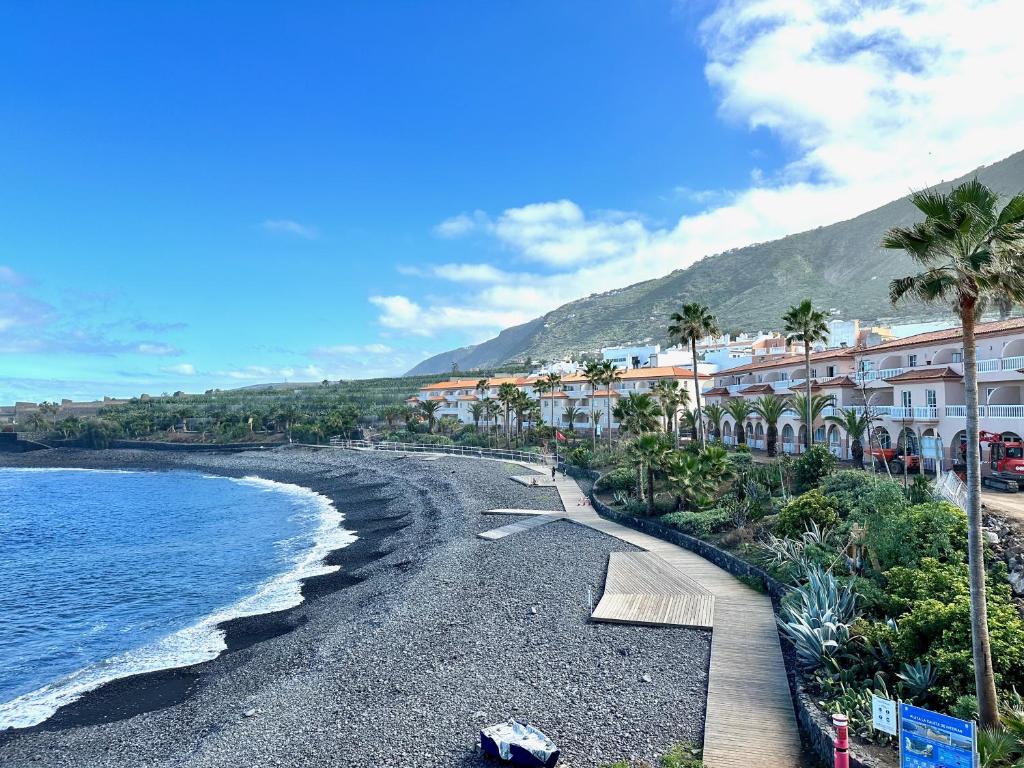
<point x="204" y="640"/>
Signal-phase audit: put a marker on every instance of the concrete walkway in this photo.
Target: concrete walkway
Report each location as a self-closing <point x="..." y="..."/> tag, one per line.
<point x="749" y="719"/>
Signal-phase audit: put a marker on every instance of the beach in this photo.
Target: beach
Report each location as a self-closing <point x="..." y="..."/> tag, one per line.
<point x="425" y="634"/>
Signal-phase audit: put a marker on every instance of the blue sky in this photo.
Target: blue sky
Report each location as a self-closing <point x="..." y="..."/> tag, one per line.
<point x="215" y="194"/>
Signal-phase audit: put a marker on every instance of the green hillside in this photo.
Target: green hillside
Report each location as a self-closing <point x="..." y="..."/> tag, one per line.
<point x="839" y="266"/>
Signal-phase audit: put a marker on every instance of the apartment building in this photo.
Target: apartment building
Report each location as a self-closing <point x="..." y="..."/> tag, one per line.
<point x="914" y="386"/>
<point x="456" y="397"/>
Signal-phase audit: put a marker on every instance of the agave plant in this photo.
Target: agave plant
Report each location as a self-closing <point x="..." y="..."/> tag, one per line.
<point x="818" y="618"/>
<point x="918" y="678"/>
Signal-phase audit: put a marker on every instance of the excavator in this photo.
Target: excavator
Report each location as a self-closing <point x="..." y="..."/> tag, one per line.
<point x="1005" y="468"/>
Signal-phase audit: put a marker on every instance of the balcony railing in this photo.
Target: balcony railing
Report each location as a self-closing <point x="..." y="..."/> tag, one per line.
<point x="991" y="411"/>
<point x="1012" y="363"/>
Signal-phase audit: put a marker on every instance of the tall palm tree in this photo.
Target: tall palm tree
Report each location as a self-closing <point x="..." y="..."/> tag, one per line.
<point x="715" y="412"/>
<point x="428" y="408"/>
<point x="855" y="425"/>
<point x="570" y="414"/>
<point x="595" y="419"/>
<point x="804" y="323"/>
<point x="506" y="396"/>
<point x="520" y="405"/>
<point x="637" y="413"/>
<point x="481" y="387"/>
<point x="813" y="408"/>
<point x="770" y="408"/>
<point x="692" y="324"/>
<point x="552" y="382"/>
<point x="593" y="373"/>
<point x="648" y="453"/>
<point x="739" y="409"/>
<point x="964" y="240"/>
<point x="609" y="375"/>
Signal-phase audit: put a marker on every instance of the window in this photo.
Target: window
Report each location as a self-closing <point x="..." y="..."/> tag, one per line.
<point x="814" y="373"/>
<point x="912" y="361"/>
<point x="906" y="399"/>
<point x="929" y="398"/>
<point x="958" y="356"/>
<point x="830" y="371"/>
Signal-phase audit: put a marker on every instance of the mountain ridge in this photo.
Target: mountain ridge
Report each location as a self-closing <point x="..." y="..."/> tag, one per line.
<point x="839" y="266"/>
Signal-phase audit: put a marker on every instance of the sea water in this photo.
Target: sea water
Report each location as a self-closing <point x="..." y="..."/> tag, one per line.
<point x="105" y="574"/>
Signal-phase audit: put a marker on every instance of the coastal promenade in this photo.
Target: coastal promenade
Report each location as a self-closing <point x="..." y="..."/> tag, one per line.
<point x="749" y="709"/>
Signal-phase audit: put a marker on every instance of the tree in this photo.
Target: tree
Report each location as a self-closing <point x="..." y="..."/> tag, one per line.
<point x="506" y="396"/>
<point x="520" y="406"/>
<point x="284" y="415"/>
<point x="670" y="398"/>
<point x="551" y="384"/>
<point x="637" y="413"/>
<point x="694" y="323"/>
<point x="595" y="419"/>
<point x="812" y="408"/>
<point x="569" y="414"/>
<point x="715" y="412"/>
<point x="69" y="427"/>
<point x="609" y="375"/>
<point x="770" y="408"/>
<point x="647" y="453"/>
<point x="804" y="323"/>
<point x="50" y="410"/>
<point x="739" y="409"/>
<point x="964" y="241"/>
<point x="35" y="422"/>
<point x="428" y="409"/>
<point x="493" y="409"/>
<point x="855" y="425"/>
<point x="477" y="409"/>
<point x="696" y="478"/>
<point x="593" y="373"/>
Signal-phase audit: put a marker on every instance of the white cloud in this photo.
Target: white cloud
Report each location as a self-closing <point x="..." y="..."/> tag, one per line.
<point x="181" y="369"/>
<point x="150" y="348"/>
<point x="871" y="99"/>
<point x="289" y="227"/>
<point x="341" y="350"/>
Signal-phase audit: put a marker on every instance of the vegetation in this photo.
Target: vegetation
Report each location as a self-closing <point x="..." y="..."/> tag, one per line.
<point x="689" y="326"/>
<point x="969" y="249"/>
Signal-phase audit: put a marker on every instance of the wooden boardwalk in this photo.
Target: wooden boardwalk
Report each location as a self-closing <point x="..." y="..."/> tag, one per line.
<point x="517" y="527"/>
<point x="643" y="588"/>
<point x="749" y="719"/>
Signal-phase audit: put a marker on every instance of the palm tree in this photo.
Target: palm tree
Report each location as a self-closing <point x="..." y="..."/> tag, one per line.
<point x="804" y="323"/>
<point x="428" y="409"/>
<point x="648" y="453"/>
<point x="507" y="396"/>
<point x="855" y="425"/>
<point x="637" y="413"/>
<point x="481" y="388"/>
<point x="595" y="419"/>
<point x="477" y="409"/>
<point x="570" y="414"/>
<point x="770" y="408"/>
<point x="492" y="410"/>
<point x="609" y="375"/>
<point x="739" y="409"/>
<point x="593" y="373"/>
<point x="671" y="397"/>
<point x="691" y="325"/>
<point x="715" y="412"/>
<point x="551" y="383"/>
<point x="963" y="241"/>
<point x="35" y="422"/>
<point x="812" y="407"/>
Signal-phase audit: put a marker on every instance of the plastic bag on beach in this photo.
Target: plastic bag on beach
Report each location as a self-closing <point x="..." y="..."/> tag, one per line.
<point x="519" y="744"/>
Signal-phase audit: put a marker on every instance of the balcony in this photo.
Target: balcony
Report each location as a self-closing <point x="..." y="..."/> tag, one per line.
<point x="990" y="411"/>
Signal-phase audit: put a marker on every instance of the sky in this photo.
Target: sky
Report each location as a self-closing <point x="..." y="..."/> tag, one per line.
<point x="215" y="194"/>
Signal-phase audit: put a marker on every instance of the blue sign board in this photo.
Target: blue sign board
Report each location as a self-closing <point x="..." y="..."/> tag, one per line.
<point x="931" y="740"/>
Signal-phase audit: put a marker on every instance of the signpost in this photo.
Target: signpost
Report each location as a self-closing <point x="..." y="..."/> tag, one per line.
<point x="931" y="740"/>
<point x="931" y="448"/>
<point x="883" y="715"/>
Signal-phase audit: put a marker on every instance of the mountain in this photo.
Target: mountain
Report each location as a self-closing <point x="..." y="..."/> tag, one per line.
<point x="839" y="266"/>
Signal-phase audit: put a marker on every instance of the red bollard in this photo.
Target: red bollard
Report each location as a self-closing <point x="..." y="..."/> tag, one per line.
<point x="842" y="744"/>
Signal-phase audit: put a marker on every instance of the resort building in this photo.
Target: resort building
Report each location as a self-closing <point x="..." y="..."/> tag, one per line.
<point x="913" y="387"/>
<point x="575" y="397"/>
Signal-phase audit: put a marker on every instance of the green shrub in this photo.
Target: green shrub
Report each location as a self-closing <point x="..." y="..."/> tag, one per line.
<point x="920" y="490"/>
<point x="813" y="506"/>
<point x="699" y="524"/>
<point x="810" y="468"/>
<point x="743" y="448"/>
<point x="905" y="535"/>
<point x="847" y="487"/>
<point x="621" y="479"/>
<point x="580" y="457"/>
<point x="97" y="433"/>
<point x="932" y="603"/>
<point x="681" y="756"/>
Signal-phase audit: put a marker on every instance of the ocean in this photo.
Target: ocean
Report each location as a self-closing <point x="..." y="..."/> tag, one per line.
<point x="105" y="574"/>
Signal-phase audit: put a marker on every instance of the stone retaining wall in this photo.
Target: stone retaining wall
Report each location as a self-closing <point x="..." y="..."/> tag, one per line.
<point x="815" y="725"/>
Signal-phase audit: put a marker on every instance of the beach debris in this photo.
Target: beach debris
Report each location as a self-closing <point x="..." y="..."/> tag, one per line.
<point x="249" y="713"/>
<point x="519" y="744"/>
<point x="533" y="610"/>
<point x="646" y="678"/>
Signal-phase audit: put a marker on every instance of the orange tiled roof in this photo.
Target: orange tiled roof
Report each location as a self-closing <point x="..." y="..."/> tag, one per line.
<point x="758" y="389"/>
<point x="469" y="398"/>
<point x="839" y="381"/>
<point x="554" y="396"/>
<point x="951" y="334"/>
<point x="606" y="393"/>
<point x="717" y="391"/>
<point x="825" y="354"/>
<point x="926" y="374"/>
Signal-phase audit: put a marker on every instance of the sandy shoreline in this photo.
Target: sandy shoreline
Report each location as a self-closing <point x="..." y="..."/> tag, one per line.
<point x="423" y="627"/>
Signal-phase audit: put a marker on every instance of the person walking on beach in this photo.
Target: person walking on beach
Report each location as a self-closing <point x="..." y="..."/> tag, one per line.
<point x="554" y="468"/>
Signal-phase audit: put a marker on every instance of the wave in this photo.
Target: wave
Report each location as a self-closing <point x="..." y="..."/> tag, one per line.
<point x="204" y="640"/>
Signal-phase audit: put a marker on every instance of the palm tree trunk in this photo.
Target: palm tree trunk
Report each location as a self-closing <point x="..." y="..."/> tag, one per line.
<point x="808" y="437"/>
<point x="593" y="423"/>
<point x="650" y="491"/>
<point x="857" y="451"/>
<point x="984" y="680"/>
<point x="772" y="437"/>
<point x="696" y="393"/>
<point x="608" y="407"/>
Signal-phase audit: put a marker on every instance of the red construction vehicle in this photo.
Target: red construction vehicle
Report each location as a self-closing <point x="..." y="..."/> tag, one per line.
<point x="1004" y="470"/>
<point x="895" y="459"/>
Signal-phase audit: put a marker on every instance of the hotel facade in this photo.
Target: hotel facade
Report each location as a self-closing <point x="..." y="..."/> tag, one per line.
<point x="914" y="387"/>
<point x="457" y="397"/>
